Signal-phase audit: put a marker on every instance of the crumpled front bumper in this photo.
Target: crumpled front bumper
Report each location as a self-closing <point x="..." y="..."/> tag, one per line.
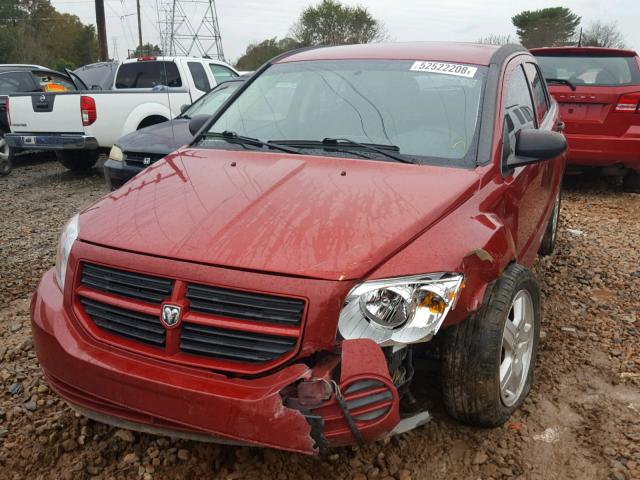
<point x="128" y="389"/>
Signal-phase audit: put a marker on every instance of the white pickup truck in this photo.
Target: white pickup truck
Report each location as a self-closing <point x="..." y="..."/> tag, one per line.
<point x="80" y="125"/>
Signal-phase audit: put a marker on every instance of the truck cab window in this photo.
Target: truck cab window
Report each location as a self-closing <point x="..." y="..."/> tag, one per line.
<point x="220" y="73"/>
<point x="200" y="79"/>
<point x="148" y="74"/>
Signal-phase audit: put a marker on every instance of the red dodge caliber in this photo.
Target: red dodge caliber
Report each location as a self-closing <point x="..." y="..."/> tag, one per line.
<point x="347" y="212"/>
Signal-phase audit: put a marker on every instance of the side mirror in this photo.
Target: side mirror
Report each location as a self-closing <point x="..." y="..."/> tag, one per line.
<point x="183" y="109"/>
<point x="534" y="146"/>
<point x="197" y="122"/>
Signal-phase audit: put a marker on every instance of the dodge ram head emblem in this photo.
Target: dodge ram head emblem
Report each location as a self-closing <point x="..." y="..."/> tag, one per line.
<point x="146" y="161"/>
<point x="170" y="315"/>
<point x="43" y="98"/>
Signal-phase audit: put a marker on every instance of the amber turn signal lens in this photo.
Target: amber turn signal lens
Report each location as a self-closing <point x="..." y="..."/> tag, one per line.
<point x="433" y="302"/>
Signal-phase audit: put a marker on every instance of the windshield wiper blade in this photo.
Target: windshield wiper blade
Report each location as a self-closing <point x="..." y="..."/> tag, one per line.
<point x="562" y="81"/>
<point x="233" y="137"/>
<point x="378" y="148"/>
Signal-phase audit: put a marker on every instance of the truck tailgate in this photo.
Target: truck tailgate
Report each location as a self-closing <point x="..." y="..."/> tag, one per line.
<point x="46" y="113"/>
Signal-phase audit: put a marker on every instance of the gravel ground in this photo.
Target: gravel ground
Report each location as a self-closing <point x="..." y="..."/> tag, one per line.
<point x="581" y="421"/>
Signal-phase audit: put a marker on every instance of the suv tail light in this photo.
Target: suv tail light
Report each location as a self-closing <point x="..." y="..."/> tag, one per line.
<point x="629" y="102"/>
<point x="88" y="110"/>
<point x="146" y="58"/>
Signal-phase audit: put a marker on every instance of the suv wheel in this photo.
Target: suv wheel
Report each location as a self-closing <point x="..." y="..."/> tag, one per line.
<point x="549" y="240"/>
<point x="78" y="160"/>
<point x="631" y="182"/>
<point x="6" y="157"/>
<point x="488" y="360"/>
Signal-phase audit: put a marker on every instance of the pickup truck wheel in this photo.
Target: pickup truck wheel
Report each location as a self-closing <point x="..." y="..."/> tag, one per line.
<point x="487" y="363"/>
<point x="631" y="182"/>
<point x="6" y="157"/>
<point x="549" y="240"/>
<point x="78" y="160"/>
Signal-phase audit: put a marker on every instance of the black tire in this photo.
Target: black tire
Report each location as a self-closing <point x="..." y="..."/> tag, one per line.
<point x="6" y="157"/>
<point x="473" y="353"/>
<point x="78" y="160"/>
<point x="548" y="244"/>
<point x="631" y="182"/>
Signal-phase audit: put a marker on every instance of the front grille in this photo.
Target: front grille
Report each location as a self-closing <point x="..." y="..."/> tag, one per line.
<point x="126" y="323"/>
<point x="142" y="159"/>
<point x="243" y="305"/>
<point x="220" y="327"/>
<point x="235" y="345"/>
<point x="128" y="284"/>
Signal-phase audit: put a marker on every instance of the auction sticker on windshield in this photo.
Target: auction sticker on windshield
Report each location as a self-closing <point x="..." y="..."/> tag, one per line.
<point x="445" y="68"/>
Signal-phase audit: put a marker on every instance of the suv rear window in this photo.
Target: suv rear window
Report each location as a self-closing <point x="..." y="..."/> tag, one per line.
<point x="591" y="70"/>
<point x="148" y="75"/>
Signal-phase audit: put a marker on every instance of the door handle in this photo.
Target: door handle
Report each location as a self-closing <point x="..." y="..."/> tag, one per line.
<point x="560" y="126"/>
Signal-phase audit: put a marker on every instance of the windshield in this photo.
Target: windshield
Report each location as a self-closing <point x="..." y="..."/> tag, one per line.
<point x="589" y="70"/>
<point x="429" y="115"/>
<point x="210" y="102"/>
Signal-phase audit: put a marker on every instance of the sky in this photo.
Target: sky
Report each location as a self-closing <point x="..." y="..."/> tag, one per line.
<point x="246" y="21"/>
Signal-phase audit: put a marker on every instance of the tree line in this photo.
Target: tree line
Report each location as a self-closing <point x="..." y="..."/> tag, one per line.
<point x="33" y="31"/>
<point x="558" y="27"/>
<point x="332" y="23"/>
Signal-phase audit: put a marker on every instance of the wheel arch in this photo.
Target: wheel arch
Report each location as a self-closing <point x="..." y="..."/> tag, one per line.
<point x="142" y="112"/>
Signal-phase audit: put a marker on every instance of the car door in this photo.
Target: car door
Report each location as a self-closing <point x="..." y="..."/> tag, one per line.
<point x="523" y="192"/>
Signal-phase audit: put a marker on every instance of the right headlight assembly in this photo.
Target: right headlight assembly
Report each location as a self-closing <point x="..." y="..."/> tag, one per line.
<point x="398" y="311"/>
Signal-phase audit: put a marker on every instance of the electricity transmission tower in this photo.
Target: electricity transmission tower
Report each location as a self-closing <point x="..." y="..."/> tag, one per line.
<point x="190" y="27"/>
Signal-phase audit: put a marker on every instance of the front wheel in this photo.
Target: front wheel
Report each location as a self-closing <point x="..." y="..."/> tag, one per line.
<point x="488" y="360"/>
<point x="78" y="160"/>
<point x="6" y="157"/>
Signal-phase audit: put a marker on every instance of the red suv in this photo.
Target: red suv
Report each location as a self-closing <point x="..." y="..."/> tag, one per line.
<point x="347" y="211"/>
<point x="598" y="90"/>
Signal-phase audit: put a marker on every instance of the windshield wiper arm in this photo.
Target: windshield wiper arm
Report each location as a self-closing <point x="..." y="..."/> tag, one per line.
<point x="233" y="137"/>
<point x="381" y="149"/>
<point x="562" y="81"/>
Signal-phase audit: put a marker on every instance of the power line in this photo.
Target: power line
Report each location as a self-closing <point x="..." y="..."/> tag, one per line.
<point x="179" y="36"/>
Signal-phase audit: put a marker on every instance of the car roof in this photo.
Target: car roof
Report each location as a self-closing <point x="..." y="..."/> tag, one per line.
<point x="158" y="58"/>
<point x="22" y="65"/>
<point x="478" y="54"/>
<point x="584" y="51"/>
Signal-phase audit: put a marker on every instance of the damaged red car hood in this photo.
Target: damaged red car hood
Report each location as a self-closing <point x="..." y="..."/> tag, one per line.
<point x="313" y="216"/>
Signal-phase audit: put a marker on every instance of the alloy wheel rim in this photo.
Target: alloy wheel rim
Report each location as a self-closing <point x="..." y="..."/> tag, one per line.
<point x="517" y="348"/>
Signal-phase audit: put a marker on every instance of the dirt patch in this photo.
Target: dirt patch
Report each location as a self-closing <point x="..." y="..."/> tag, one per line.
<point x="581" y="421"/>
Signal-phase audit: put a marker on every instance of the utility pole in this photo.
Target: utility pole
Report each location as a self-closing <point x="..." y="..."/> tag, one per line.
<point x="139" y="27"/>
<point x="102" y="31"/>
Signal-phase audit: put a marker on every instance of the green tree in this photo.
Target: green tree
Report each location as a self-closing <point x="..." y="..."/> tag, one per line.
<point x="33" y="31"/>
<point x="146" y="49"/>
<point x="259" y="53"/>
<point x="332" y="23"/>
<point x="546" y="27"/>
